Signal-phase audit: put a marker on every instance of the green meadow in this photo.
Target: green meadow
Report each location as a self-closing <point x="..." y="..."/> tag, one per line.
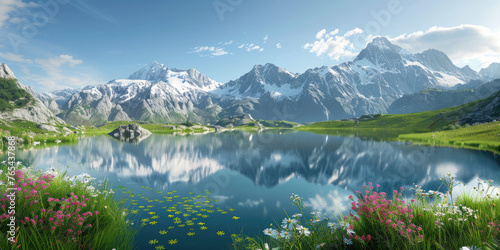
<point x="483" y="137"/>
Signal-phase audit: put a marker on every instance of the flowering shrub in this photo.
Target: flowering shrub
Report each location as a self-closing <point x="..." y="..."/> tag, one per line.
<point x="393" y="214"/>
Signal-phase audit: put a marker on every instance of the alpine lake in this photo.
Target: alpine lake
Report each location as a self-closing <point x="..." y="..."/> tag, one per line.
<point x="197" y="190"/>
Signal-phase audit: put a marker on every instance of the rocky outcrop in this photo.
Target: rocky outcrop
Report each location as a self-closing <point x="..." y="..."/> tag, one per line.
<point x="47" y="128"/>
<point x="239" y="120"/>
<point x="487" y="110"/>
<point x="170" y="127"/>
<point x="199" y="127"/>
<point x="219" y="128"/>
<point x="130" y="133"/>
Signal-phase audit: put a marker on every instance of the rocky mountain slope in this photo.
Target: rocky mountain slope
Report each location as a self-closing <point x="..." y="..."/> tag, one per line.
<point x="485" y="110"/>
<point x="438" y="99"/>
<point x="56" y="99"/>
<point x="34" y="111"/>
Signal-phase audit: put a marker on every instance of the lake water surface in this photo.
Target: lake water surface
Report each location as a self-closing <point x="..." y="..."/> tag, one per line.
<point x="252" y="175"/>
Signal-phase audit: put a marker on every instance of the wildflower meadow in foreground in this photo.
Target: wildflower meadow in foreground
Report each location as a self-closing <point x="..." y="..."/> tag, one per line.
<point x="54" y="211"/>
<point x="377" y="220"/>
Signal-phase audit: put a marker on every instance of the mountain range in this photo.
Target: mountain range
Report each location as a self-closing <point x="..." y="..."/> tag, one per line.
<point x="382" y="78"/>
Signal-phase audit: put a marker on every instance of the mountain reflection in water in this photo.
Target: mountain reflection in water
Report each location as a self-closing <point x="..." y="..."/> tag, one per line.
<point x="271" y="158"/>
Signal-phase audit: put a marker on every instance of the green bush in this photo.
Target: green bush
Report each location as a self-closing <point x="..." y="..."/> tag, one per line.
<point x="451" y="127"/>
<point x="188" y="124"/>
<point x="10" y="92"/>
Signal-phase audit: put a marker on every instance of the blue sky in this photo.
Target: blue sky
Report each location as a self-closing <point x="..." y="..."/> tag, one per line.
<point x="55" y="44"/>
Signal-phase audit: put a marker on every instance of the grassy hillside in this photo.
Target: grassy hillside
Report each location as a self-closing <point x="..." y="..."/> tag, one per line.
<point x="429" y="120"/>
<point x="439" y="127"/>
<point x="11" y="96"/>
<point x="484" y="136"/>
<point x="19" y="127"/>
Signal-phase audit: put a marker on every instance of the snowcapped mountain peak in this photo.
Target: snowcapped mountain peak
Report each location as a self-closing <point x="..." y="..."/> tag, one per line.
<point x="261" y="80"/>
<point x="269" y="69"/>
<point x="259" y="69"/>
<point x="178" y="81"/>
<point x="153" y="72"/>
<point x="381" y="43"/>
<point x="436" y="60"/>
<point x="492" y="71"/>
<point x="157" y="72"/>
<point x="380" y="51"/>
<point x="155" y="63"/>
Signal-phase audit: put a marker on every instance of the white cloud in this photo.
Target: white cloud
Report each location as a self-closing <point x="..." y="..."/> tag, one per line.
<point x="463" y="44"/>
<point x="212" y="51"/>
<point x="7" y="6"/>
<point x="466" y="44"/>
<point x="226" y="43"/>
<point x="329" y="205"/>
<point x="353" y="32"/>
<point x="56" y="73"/>
<point x="321" y="33"/>
<point x="250" y="203"/>
<point x="15" y="58"/>
<point x="333" y="45"/>
<point x="265" y="38"/>
<point x="15" y="20"/>
<point x="209" y="51"/>
<point x="56" y="62"/>
<point x="278" y="45"/>
<point x="250" y="47"/>
<point x="480" y="61"/>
